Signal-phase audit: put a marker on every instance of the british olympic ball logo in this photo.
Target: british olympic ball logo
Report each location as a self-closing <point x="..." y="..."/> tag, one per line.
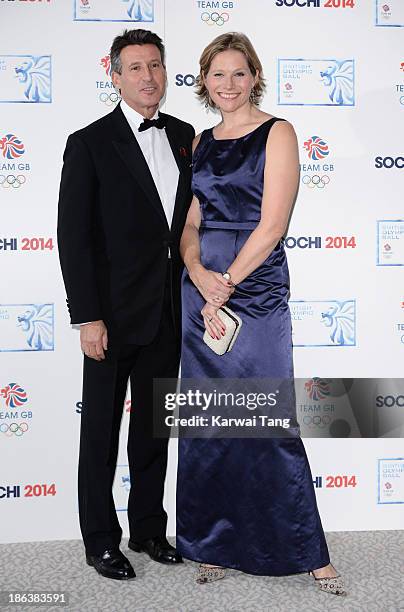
<point x="390" y="14"/>
<point x="26" y="78"/>
<point x="13" y="171"/>
<point x="323" y="322"/>
<point x="117" y="10"/>
<point x="316" y="82"/>
<point x="390" y="242"/>
<point x="390" y="480"/>
<point x="26" y="327"/>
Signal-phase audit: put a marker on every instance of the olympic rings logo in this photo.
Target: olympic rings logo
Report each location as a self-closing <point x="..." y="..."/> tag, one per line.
<point x="316" y="181"/>
<point x="215" y="18"/>
<point x="317" y="420"/>
<point x="12" y="181"/>
<point x="14" y="428"/>
<point x="109" y="99"/>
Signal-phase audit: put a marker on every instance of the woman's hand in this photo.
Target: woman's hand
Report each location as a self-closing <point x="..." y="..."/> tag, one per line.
<point x="213" y="322"/>
<point x="215" y="289"/>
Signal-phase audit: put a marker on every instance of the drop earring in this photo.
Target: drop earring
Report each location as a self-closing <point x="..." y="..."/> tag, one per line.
<point x="208" y="102"/>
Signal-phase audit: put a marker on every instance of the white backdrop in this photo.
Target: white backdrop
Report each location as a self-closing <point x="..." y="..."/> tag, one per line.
<point x="335" y="69"/>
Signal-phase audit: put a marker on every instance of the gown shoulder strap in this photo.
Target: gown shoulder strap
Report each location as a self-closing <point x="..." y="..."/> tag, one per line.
<point x="203" y="141"/>
<point x="272" y="121"/>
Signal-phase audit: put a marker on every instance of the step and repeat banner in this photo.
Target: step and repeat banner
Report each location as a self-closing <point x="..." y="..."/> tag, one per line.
<point x="335" y="69"/>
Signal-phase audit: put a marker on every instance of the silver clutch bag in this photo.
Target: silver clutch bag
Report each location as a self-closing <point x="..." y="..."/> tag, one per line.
<point x="233" y="325"/>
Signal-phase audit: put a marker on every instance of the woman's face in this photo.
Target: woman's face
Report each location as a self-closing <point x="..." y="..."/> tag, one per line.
<point x="229" y="80"/>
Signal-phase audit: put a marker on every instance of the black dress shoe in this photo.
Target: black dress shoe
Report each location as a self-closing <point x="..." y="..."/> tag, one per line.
<point x="112" y="564"/>
<point x="158" y="549"/>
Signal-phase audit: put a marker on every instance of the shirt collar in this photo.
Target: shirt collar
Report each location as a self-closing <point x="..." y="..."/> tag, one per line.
<point x="133" y="116"/>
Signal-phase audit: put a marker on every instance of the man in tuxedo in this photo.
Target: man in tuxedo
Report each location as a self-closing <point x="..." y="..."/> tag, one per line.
<point x="124" y="194"/>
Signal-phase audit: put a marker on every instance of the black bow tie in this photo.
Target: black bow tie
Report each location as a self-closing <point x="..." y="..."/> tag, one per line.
<point x="148" y="123"/>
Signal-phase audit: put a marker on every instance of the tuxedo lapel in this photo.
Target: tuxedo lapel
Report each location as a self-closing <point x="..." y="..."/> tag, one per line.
<point x="183" y="159"/>
<point x="131" y="154"/>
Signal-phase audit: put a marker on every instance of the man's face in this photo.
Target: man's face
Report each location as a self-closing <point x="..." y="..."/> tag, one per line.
<point x="143" y="78"/>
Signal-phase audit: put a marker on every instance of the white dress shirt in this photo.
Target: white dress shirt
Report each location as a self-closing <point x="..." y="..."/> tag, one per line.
<point x="160" y="159"/>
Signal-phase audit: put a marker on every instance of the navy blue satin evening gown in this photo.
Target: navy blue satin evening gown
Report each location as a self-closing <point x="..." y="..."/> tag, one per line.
<point x="247" y="504"/>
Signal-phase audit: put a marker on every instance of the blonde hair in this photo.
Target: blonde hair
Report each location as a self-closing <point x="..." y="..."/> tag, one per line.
<point x="238" y="42"/>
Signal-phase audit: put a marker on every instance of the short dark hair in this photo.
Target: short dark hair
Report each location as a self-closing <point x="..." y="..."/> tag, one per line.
<point x="133" y="37"/>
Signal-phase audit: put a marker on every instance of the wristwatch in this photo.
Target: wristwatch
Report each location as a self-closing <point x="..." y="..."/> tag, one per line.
<point x="227" y="276"/>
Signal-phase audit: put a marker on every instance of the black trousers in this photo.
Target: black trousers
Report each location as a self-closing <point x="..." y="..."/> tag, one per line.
<point x="104" y="388"/>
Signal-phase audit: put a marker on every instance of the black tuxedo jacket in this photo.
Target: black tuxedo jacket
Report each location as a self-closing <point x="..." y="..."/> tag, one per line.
<point x="113" y="235"/>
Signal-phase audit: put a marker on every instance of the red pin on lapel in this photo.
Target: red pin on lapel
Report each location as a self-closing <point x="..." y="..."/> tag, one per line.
<point x="183" y="152"/>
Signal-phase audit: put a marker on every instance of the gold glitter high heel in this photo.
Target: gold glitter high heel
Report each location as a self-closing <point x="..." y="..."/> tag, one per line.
<point x="333" y="585"/>
<point x="209" y="573"/>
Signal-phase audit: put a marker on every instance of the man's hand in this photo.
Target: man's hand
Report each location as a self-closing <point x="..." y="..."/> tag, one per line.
<point x="94" y="340"/>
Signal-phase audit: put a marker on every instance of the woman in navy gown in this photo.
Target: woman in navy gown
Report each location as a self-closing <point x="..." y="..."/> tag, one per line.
<point x="246" y="504"/>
